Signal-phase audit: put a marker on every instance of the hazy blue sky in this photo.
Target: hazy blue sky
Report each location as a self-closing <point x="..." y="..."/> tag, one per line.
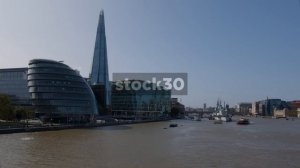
<point x="237" y="50"/>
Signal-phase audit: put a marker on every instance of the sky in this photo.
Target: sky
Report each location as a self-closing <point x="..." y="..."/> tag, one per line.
<point x="235" y="50"/>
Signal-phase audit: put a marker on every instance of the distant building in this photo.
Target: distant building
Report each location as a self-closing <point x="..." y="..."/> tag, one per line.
<point x="295" y="105"/>
<point x="243" y="108"/>
<point x="13" y="83"/>
<point x="291" y="109"/>
<point x="285" y="112"/>
<point x="265" y="107"/>
<point x="204" y="107"/>
<point x="176" y="105"/>
<point x="140" y="104"/>
<point x="58" y="93"/>
<point x="255" y="107"/>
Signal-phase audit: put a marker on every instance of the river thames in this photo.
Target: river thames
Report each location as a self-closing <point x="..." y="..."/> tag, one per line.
<point x="264" y="143"/>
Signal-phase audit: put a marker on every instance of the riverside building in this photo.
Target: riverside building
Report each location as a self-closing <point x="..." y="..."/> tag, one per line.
<point x="140" y="104"/>
<point x="58" y="93"/>
<point x="13" y="83"/>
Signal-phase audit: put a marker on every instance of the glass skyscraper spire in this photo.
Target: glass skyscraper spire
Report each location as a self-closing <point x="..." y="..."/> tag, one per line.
<point x="99" y="78"/>
<point x="99" y="74"/>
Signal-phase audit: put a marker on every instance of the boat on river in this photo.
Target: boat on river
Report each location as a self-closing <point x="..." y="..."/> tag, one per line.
<point x="221" y="113"/>
<point x="173" y="125"/>
<point x="243" y="121"/>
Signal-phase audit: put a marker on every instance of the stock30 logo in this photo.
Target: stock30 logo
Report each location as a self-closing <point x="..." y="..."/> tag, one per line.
<point x="176" y="82"/>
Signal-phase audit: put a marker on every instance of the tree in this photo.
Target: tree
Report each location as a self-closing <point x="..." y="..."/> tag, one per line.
<point x="22" y="113"/>
<point x="6" y="108"/>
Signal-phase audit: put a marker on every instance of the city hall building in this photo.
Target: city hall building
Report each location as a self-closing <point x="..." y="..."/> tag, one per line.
<point x="58" y="93"/>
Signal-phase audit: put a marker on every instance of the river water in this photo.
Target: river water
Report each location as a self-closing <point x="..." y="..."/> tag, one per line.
<point x="265" y="143"/>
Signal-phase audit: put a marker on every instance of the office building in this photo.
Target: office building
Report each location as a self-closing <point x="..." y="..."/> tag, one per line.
<point x="243" y="108"/>
<point x="58" y="93"/>
<point x="265" y="107"/>
<point x="13" y="83"/>
<point x="140" y="104"/>
<point x="177" y="108"/>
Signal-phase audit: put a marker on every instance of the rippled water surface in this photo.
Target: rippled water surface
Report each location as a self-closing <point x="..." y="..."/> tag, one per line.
<point x="264" y="143"/>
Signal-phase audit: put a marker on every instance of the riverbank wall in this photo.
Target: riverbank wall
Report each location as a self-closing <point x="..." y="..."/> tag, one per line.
<point x="63" y="127"/>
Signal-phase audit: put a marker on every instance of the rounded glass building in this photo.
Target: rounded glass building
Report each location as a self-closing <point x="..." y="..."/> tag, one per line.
<point x="59" y="93"/>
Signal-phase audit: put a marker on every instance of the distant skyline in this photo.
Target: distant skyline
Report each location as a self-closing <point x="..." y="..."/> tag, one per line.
<point x="236" y="50"/>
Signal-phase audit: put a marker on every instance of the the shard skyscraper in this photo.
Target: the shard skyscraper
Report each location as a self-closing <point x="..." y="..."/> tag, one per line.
<point x="99" y="78"/>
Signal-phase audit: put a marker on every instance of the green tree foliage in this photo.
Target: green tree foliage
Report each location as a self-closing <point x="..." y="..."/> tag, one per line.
<point x="9" y="112"/>
<point x="22" y="113"/>
<point x="6" y="108"/>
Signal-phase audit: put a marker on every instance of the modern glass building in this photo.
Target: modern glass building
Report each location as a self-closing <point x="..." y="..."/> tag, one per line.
<point x="13" y="82"/>
<point x="59" y="93"/>
<point x="266" y="107"/>
<point x="99" y="78"/>
<point x="140" y="104"/>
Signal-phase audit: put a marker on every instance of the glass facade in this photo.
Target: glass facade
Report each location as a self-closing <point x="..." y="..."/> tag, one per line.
<point x="99" y="78"/>
<point x="140" y="104"/>
<point x="57" y="91"/>
<point x="266" y="107"/>
<point x="13" y="82"/>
